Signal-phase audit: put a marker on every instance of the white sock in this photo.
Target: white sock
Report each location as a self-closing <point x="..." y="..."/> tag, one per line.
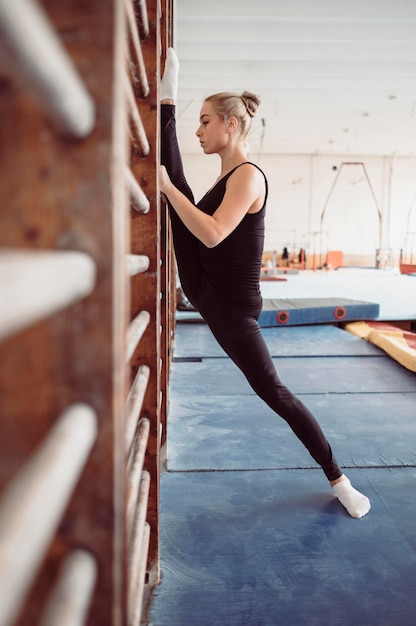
<point x="356" y="503"/>
<point x="169" y="82"/>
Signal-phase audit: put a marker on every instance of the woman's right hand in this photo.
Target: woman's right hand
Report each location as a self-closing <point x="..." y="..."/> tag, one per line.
<point x="164" y="181"/>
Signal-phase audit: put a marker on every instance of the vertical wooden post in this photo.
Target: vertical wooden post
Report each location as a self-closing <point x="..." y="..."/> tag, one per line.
<point x="146" y="288"/>
<point x="168" y="261"/>
<point x="121" y="310"/>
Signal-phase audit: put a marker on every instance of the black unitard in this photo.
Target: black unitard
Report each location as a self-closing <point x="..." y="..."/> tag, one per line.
<point x="223" y="284"/>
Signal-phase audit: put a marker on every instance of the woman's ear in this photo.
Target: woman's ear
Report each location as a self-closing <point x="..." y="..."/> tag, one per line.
<point x="232" y="124"/>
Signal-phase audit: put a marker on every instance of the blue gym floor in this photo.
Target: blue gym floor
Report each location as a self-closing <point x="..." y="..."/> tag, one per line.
<point x="251" y="535"/>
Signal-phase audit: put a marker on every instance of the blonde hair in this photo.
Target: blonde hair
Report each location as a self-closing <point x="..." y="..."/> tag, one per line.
<point x="243" y="107"/>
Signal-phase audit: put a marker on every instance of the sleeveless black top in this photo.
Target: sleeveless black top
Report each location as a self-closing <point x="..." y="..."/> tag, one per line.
<point x="231" y="269"/>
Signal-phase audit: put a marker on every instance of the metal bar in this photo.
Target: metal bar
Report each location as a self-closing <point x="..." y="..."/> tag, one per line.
<point x="48" y="280"/>
<point x="138" y="198"/>
<point x="379" y="214"/>
<point x="135" y="402"/>
<point x="139" y="134"/>
<point x="31" y="51"/>
<point x="137" y="264"/>
<point x="140" y="76"/>
<point x="34" y="501"/>
<point x="135" y="470"/>
<point x="135" y="332"/>
<point x="71" y="597"/>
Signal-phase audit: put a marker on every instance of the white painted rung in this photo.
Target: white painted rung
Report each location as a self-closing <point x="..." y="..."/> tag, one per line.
<point x="135" y="471"/>
<point x="140" y="75"/>
<point x="35" y="284"/>
<point x="136" y="595"/>
<point x="32" y="506"/>
<point x="71" y="597"/>
<point x="136" y="532"/>
<point x="138" y="198"/>
<point x="137" y="264"/>
<point x="32" y="53"/>
<point x="138" y="536"/>
<point x="139" y="134"/>
<point x="135" y="332"/>
<point x="135" y="402"/>
<point x="143" y="19"/>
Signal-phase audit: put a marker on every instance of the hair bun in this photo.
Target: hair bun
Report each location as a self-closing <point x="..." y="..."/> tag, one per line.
<point x="251" y="101"/>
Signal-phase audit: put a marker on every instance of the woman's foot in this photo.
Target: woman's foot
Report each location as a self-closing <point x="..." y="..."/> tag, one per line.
<point x="356" y="503"/>
<point x="169" y="83"/>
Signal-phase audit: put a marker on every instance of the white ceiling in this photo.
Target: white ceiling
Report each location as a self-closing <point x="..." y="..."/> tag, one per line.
<point x="335" y="76"/>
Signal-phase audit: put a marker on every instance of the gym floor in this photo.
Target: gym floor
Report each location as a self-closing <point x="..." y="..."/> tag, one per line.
<point x="250" y="531"/>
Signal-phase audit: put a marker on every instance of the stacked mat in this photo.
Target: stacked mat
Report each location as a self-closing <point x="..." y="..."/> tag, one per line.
<point x="396" y="342"/>
<point x="295" y="311"/>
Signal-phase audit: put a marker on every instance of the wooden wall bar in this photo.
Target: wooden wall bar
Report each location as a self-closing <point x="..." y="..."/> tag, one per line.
<point x="146" y="288"/>
<point x="85" y="262"/>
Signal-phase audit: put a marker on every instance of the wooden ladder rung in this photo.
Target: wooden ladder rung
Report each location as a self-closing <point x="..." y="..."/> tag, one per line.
<point x="34" y="284"/>
<point x="71" y="597"/>
<point x="35" y="500"/>
<point x="139" y="552"/>
<point x="135" y="470"/>
<point x="143" y="19"/>
<point x="135" y="332"/>
<point x="140" y="77"/>
<point x="137" y="264"/>
<point x="40" y="63"/>
<point x="135" y="402"/>
<point x="139" y="137"/>
<point x="138" y="198"/>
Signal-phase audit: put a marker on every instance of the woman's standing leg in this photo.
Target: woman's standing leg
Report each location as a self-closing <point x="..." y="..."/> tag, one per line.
<point x="242" y="340"/>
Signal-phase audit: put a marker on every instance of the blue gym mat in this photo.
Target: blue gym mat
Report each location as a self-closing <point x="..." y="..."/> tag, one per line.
<point x="251" y="533"/>
<point x="196" y="340"/>
<point x="277" y="549"/>
<point x="226" y="432"/>
<point x="348" y="374"/>
<point x="290" y="311"/>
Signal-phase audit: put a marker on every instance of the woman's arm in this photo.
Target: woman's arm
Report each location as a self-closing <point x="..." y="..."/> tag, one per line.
<point x="244" y="190"/>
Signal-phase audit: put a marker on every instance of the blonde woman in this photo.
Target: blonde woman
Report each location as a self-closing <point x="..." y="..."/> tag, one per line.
<point x="219" y="244"/>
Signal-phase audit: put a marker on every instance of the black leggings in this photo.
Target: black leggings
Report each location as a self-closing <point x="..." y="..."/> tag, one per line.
<point x="237" y="331"/>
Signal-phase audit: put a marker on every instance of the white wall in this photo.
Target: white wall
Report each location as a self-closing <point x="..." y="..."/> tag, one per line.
<point x="301" y="187"/>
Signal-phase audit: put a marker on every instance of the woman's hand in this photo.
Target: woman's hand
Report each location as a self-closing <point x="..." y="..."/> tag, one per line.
<point x="164" y="181"/>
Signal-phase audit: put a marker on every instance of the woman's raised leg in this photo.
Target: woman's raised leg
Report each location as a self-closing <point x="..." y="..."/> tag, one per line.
<point x="185" y="244"/>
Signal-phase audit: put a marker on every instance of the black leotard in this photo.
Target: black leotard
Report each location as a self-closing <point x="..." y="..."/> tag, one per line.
<point x="223" y="284"/>
<point x="231" y="270"/>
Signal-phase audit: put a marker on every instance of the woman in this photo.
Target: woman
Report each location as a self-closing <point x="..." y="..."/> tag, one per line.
<point x="219" y="245"/>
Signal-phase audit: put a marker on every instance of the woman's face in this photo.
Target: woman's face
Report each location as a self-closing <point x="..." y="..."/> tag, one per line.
<point x="212" y="132"/>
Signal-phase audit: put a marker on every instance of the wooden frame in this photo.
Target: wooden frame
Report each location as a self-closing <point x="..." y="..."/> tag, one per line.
<point x="85" y="335"/>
